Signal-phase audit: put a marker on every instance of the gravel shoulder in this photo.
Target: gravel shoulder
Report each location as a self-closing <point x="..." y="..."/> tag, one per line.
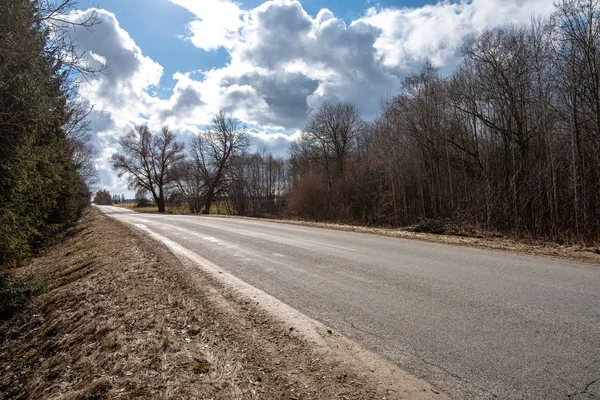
<point x="121" y="316"/>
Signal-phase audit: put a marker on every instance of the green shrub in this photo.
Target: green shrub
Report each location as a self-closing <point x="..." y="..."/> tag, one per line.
<point x="15" y="294"/>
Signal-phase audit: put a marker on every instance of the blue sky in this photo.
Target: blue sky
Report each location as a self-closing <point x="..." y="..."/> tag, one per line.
<point x="268" y="63"/>
<point x="158" y="25"/>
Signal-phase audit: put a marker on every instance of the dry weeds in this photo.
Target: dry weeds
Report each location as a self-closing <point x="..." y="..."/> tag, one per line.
<point x="120" y="319"/>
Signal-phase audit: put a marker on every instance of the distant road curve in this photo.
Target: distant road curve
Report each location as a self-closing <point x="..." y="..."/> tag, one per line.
<point x="474" y="323"/>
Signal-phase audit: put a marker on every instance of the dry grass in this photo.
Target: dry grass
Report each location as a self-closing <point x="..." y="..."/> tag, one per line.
<point x="179" y="209"/>
<point x="120" y="319"/>
<point x="112" y="323"/>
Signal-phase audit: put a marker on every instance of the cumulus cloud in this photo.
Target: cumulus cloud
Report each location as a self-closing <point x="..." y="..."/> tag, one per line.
<point x="436" y="32"/>
<point x="283" y="63"/>
<point x="217" y="23"/>
<point x="185" y="102"/>
<point x="128" y="73"/>
<point x="276" y="143"/>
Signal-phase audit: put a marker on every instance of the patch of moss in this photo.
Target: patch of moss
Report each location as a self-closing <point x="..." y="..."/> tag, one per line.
<point x="200" y="367"/>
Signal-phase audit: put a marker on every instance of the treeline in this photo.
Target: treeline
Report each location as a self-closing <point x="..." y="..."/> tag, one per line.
<point x="45" y="155"/>
<point x="508" y="143"/>
<point x="215" y="169"/>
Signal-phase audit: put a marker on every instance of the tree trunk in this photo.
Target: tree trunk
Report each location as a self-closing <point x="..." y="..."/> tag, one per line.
<point x="160" y="202"/>
<point x="209" y="199"/>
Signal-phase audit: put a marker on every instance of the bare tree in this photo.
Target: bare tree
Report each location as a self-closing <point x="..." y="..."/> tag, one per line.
<point x="212" y="153"/>
<point x="147" y="159"/>
<point x="81" y="145"/>
<point x="258" y="185"/>
<point x="333" y="130"/>
<point x="189" y="183"/>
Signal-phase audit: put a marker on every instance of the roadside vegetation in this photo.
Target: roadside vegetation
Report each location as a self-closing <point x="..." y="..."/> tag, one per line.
<point x="120" y="317"/>
<point x="45" y="151"/>
<point x="507" y="145"/>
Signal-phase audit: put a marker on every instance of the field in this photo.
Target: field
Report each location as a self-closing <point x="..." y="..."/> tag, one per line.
<point x="216" y="208"/>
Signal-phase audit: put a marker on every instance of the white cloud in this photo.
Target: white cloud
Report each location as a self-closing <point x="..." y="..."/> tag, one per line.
<point x="121" y="89"/>
<point x="120" y="94"/>
<point x="282" y="64"/>
<point x="276" y="143"/>
<point x="217" y="23"/>
<point x="437" y="31"/>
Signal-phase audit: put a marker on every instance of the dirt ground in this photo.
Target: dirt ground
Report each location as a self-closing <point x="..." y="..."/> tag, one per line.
<point x="120" y="317"/>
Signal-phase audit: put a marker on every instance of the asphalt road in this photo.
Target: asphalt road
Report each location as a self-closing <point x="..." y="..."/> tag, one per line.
<point x="474" y="323"/>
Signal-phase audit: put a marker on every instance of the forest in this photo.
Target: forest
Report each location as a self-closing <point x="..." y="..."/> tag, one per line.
<point x="509" y="143"/>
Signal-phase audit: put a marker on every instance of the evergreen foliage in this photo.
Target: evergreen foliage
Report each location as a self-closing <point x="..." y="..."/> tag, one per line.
<point x="41" y="190"/>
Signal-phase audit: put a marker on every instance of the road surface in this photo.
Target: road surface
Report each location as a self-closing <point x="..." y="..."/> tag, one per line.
<point x="474" y="323"/>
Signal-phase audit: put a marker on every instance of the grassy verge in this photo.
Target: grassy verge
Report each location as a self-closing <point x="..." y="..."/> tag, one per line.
<point x="120" y="317"/>
<point x="173" y="209"/>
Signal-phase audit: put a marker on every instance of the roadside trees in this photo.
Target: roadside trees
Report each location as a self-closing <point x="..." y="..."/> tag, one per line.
<point x="147" y="159"/>
<point x="326" y="150"/>
<point x="103" y="198"/>
<point x="189" y="183"/>
<point x="212" y="154"/>
<point x="332" y="131"/>
<point x="42" y="161"/>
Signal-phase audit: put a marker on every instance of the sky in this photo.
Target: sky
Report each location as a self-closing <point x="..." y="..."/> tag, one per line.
<point x="267" y="63"/>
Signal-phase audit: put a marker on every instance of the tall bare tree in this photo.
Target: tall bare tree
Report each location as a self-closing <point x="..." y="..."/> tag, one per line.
<point x="213" y="152"/>
<point x="333" y="131"/>
<point x="147" y="160"/>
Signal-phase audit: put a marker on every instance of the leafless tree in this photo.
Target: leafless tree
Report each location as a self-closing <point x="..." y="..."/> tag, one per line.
<point x="509" y="142"/>
<point x="189" y="182"/>
<point x="212" y="153"/>
<point x="259" y="184"/>
<point x="147" y="160"/>
<point x="103" y="198"/>
<point x="78" y="133"/>
<point x="333" y="131"/>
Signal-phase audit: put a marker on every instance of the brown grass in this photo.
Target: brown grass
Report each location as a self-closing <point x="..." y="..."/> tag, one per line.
<point x="120" y="319"/>
<point x="216" y="208"/>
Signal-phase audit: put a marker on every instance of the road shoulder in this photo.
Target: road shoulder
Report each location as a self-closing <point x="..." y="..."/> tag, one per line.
<point x="123" y="317"/>
<point x="572" y="253"/>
